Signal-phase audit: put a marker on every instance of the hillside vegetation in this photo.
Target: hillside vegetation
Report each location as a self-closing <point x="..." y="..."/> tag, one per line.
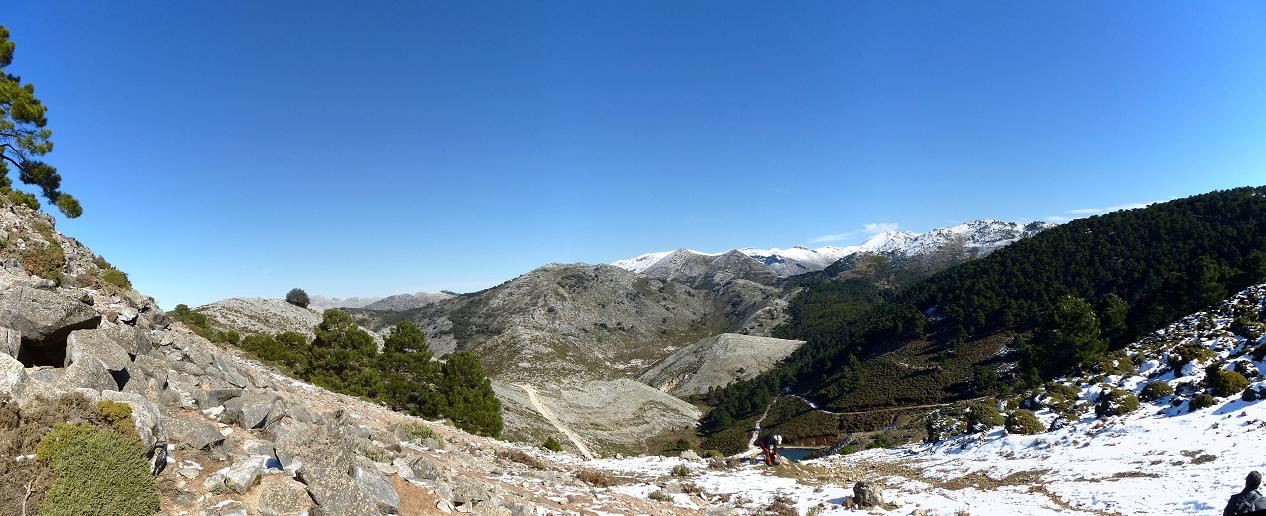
<point x="1113" y="277"/>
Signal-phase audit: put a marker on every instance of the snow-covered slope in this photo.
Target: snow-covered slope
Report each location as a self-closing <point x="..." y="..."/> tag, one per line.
<point x="1163" y="458"/>
<point x="977" y="238"/>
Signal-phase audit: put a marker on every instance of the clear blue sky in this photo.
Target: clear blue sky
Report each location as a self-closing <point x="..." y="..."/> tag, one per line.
<point x="367" y="148"/>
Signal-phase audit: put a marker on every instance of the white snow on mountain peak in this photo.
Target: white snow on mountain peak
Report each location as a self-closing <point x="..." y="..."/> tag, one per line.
<point x="979" y="237"/>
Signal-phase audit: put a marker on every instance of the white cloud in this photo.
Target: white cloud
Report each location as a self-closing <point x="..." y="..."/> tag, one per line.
<point x="1058" y="219"/>
<point x="833" y="238"/>
<point x="872" y="228"/>
<point x="875" y="228"/>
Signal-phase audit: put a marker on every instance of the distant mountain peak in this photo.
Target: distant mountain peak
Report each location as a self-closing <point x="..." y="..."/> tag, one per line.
<point x="979" y="237"/>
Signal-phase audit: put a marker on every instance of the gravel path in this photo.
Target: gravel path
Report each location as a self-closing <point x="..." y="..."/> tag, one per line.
<point x="549" y="416"/>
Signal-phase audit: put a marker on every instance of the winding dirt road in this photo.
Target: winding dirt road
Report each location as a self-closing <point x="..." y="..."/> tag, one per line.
<point x="553" y="420"/>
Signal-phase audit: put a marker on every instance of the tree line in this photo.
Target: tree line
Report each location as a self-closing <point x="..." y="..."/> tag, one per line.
<point x="344" y="358"/>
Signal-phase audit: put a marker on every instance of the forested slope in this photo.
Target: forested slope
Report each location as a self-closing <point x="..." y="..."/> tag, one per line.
<point x="1136" y="270"/>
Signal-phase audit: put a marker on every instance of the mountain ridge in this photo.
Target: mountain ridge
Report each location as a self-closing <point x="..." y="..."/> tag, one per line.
<point x="978" y="237"/>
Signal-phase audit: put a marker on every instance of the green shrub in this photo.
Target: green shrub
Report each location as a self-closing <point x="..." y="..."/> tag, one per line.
<point x="1155" y="391"/>
<point x="1024" y="422"/>
<point x="419" y="432"/>
<point x="1225" y="383"/>
<point x="660" y="496"/>
<point x="681" y="470"/>
<point x="712" y="454"/>
<point x="1200" y="402"/>
<point x="118" y="416"/>
<point x="117" y="278"/>
<point x="23" y="198"/>
<point x="1180" y="356"/>
<point x="98" y="472"/>
<point x="552" y="444"/>
<point x="1116" y="402"/>
<point x="881" y="440"/>
<point x="982" y="416"/>
<point x="44" y="260"/>
<point x="376" y="455"/>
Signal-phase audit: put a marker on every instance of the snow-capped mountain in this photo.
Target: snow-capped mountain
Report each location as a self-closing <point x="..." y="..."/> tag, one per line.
<point x="977" y="238"/>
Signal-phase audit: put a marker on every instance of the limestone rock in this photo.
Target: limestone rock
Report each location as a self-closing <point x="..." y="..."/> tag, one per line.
<point x="248" y="410"/>
<point x="377" y="488"/>
<point x="284" y="497"/>
<point x="88" y="373"/>
<point x="12" y="375"/>
<point x="42" y="316"/>
<point x="196" y="434"/>
<point x="324" y="461"/>
<point x="10" y="342"/>
<point x="98" y="344"/>
<point x="867" y="494"/>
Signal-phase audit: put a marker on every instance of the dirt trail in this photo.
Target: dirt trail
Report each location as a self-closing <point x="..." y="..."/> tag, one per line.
<point x="553" y="420"/>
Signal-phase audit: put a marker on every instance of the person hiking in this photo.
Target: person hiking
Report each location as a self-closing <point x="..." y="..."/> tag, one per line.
<point x="769" y="448"/>
<point x="1250" y="501"/>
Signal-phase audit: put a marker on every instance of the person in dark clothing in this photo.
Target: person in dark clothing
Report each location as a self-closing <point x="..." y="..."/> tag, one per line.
<point x="1250" y="501"/>
<point x="769" y="449"/>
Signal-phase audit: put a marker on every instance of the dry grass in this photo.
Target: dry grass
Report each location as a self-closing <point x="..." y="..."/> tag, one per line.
<point x="596" y="477"/>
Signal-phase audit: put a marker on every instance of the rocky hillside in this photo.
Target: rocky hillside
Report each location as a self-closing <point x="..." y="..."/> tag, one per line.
<point x="257" y="315"/>
<point x="717" y="361"/>
<point x="576" y="332"/>
<point x="236" y="438"/>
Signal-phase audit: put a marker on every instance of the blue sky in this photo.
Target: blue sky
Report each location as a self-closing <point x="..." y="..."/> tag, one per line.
<point x="243" y="148"/>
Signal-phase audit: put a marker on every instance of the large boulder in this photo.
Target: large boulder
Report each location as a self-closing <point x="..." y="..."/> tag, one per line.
<point x="99" y="345"/>
<point x="284" y="497"/>
<point x="377" y="488"/>
<point x="145" y="415"/>
<point x="10" y="342"/>
<point x="91" y="374"/>
<point x="43" y="318"/>
<point x="12" y="376"/>
<point x="868" y="494"/>
<point x="337" y="477"/>
<point x="194" y="433"/>
<point x="249" y="410"/>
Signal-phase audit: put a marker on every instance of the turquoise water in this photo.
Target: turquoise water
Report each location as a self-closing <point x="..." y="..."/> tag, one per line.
<point x="798" y="454"/>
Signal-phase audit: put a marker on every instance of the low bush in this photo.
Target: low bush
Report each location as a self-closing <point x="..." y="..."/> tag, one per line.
<point x="1225" y="383"/>
<point x="1155" y="391"/>
<point x="660" y="496"/>
<point x="118" y="416"/>
<point x="1024" y="422"/>
<point x="984" y="415"/>
<point x="1200" y="402"/>
<point x="1116" y="402"/>
<point x="99" y="471"/>
<point x="595" y="477"/>
<point x="1180" y="356"/>
<point x="44" y="260"/>
<point x="521" y="457"/>
<point x="552" y="444"/>
<point x="681" y="470"/>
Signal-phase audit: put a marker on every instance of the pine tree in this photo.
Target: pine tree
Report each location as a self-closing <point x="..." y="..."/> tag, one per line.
<point x="24" y="138"/>
<point x="471" y="404"/>
<point x="1071" y="336"/>
<point x="409" y="374"/>
<point x="1113" y="320"/>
